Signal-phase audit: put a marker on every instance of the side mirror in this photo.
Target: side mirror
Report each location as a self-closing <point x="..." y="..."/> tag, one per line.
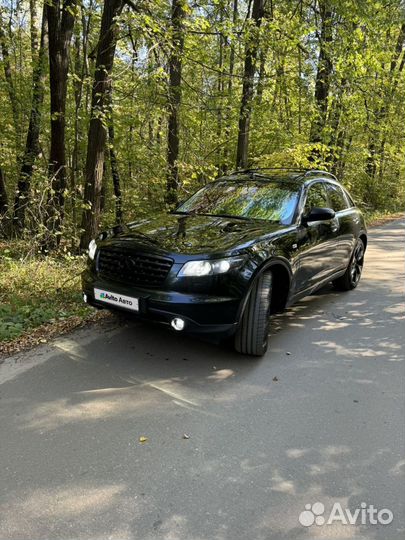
<point x="318" y="214"/>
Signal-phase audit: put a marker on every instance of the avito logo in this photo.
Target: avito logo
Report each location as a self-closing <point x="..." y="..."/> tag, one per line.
<point x="106" y="296"/>
<point x="366" y="514"/>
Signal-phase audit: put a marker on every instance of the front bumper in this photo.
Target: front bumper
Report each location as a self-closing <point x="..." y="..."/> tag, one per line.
<point x="203" y="314"/>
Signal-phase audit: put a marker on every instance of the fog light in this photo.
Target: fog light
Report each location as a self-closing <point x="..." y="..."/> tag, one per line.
<point x="85" y="298"/>
<point x="178" y="324"/>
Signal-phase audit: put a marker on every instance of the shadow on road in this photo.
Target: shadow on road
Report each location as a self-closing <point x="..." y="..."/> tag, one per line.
<point x="315" y="420"/>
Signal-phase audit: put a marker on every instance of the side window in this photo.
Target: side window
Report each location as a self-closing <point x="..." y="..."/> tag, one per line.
<point x="316" y="197"/>
<point x="349" y="198"/>
<point x="337" y="198"/>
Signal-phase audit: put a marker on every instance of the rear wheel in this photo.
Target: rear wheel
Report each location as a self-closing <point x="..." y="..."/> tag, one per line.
<point x="252" y="334"/>
<point x="351" y="277"/>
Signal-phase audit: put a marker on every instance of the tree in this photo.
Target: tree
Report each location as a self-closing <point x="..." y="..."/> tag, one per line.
<point x="8" y="76"/>
<point x="323" y="74"/>
<point x="196" y="84"/>
<point x="32" y="147"/>
<point x="61" y="18"/>
<point x="114" y="167"/>
<point x="251" y="49"/>
<point x="174" y="99"/>
<point x="228" y="113"/>
<point x="3" y="195"/>
<point x="377" y="138"/>
<point x="97" y="134"/>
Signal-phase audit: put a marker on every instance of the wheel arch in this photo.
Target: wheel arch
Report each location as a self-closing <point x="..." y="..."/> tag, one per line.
<point x="363" y="238"/>
<point x="282" y="276"/>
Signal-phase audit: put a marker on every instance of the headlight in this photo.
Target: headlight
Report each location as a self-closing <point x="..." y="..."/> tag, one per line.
<point x="209" y="268"/>
<point x="92" y="249"/>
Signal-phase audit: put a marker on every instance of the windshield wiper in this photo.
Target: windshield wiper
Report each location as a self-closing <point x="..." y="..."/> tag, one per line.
<point x="184" y="212"/>
<point x="228" y="216"/>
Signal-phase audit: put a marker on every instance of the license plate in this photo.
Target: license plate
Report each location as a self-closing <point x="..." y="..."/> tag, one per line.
<point x="116" y="299"/>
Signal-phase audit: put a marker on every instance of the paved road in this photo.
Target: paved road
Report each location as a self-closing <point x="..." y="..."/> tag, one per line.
<point x="319" y="419"/>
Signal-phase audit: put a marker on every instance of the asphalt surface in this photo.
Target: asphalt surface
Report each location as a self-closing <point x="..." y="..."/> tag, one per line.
<point x="319" y="419"/>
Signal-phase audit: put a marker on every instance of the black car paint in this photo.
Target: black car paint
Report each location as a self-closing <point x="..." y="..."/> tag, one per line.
<point x="307" y="254"/>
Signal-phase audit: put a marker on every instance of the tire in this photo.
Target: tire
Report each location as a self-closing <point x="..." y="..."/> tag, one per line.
<point x="252" y="334"/>
<point x="351" y="277"/>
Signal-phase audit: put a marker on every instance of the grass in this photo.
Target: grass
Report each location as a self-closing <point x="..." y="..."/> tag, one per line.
<point x="37" y="290"/>
<point x="379" y="217"/>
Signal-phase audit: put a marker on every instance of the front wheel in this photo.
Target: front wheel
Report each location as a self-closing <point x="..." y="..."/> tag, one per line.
<point x="351" y="277"/>
<point x="252" y="334"/>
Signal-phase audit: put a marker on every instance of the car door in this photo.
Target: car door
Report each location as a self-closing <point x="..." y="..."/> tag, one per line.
<point x="346" y="216"/>
<point x="316" y="240"/>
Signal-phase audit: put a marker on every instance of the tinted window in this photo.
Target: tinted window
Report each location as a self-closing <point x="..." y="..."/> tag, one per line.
<point x="337" y="199"/>
<point x="250" y="199"/>
<point x="316" y="197"/>
<point x="349" y="198"/>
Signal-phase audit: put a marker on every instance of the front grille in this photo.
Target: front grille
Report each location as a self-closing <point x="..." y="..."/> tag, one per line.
<point x="133" y="268"/>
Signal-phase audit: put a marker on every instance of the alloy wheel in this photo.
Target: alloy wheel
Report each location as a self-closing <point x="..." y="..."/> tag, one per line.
<point x="357" y="263"/>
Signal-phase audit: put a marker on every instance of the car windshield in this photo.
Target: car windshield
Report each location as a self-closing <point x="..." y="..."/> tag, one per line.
<point x="268" y="200"/>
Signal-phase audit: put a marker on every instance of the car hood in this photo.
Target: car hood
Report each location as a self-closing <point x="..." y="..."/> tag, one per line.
<point x="195" y="234"/>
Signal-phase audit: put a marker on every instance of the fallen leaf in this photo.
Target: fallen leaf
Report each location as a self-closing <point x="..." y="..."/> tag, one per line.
<point x="143" y="439"/>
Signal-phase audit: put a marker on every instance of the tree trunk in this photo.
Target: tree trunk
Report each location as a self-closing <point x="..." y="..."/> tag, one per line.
<point x="9" y="79"/>
<point x="97" y="130"/>
<point x="78" y="92"/>
<point x="61" y="20"/>
<point x="115" y="176"/>
<point x="3" y="194"/>
<point x="32" y="147"/>
<point x="114" y="167"/>
<point x="174" y="91"/>
<point x="251" y="49"/>
<point x="300" y="75"/>
<point x="227" y="132"/>
<point x="339" y="168"/>
<point x="131" y="130"/>
<point x="34" y="31"/>
<point x="103" y="188"/>
<point x="323" y="75"/>
<point x="261" y="78"/>
<point x="220" y="95"/>
<point x="338" y="154"/>
<point x="335" y="124"/>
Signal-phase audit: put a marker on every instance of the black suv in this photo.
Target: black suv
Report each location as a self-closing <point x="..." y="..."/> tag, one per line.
<point x="240" y="249"/>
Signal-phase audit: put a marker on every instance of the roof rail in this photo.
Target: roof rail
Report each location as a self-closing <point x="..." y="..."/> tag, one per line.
<point x="319" y="171"/>
<point x="305" y="172"/>
<point x="243" y="171"/>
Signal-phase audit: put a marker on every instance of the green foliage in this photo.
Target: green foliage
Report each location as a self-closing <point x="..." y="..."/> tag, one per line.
<point x="364" y="105"/>
<point x="35" y="290"/>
